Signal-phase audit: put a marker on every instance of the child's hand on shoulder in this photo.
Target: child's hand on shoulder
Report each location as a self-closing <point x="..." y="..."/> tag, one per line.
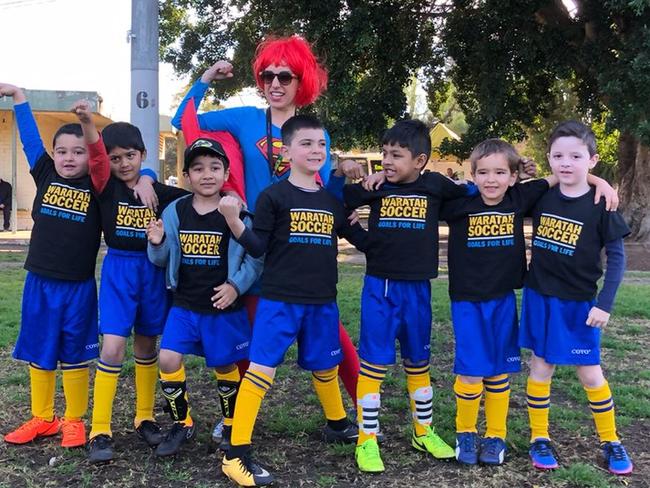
<point x="81" y="108"/>
<point x="374" y="181"/>
<point x="155" y="231"/>
<point x="224" y="296"/>
<point x="144" y="191"/>
<point x="230" y="207"/>
<point x="350" y="169"/>
<point x="597" y="318"/>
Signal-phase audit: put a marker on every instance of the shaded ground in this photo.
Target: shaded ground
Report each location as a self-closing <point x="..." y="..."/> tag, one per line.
<point x="287" y="436"/>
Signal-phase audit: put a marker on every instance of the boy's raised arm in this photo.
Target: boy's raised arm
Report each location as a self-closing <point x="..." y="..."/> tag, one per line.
<point x="29" y="135"/>
<point x="99" y="166"/>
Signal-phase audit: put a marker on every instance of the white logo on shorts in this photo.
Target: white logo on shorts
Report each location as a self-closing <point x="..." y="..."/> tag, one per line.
<point x="241" y="346"/>
<point x="335" y="352"/>
<point x="580" y="351"/>
<point x="92" y="346"/>
<point x="513" y="359"/>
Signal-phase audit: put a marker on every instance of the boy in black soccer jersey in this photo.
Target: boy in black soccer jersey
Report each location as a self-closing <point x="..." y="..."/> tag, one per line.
<point x="562" y="314"/>
<point x="59" y="311"/>
<point x="132" y="293"/>
<point x="297" y="224"/>
<point x="194" y="242"/>
<point x="402" y="257"/>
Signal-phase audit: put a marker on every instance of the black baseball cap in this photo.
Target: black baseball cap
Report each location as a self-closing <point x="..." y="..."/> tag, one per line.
<point x="201" y="146"/>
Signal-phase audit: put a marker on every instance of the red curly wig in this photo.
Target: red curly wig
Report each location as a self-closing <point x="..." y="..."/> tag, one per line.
<point x="296" y="53"/>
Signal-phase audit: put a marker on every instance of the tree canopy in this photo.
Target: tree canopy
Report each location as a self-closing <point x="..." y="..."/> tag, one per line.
<point x="511" y="66"/>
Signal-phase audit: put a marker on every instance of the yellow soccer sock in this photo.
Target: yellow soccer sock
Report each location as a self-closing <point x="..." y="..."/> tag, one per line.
<point x="75" y="389"/>
<point x="106" y="376"/>
<point x="146" y="377"/>
<point x="42" y="383"/>
<point x="418" y="383"/>
<point x="174" y="389"/>
<point x="468" y="402"/>
<point x="497" y="401"/>
<point x="602" y="408"/>
<point x="327" y="388"/>
<point x="538" y="396"/>
<point x="228" y="387"/>
<point x="251" y="393"/>
<point x="368" y="399"/>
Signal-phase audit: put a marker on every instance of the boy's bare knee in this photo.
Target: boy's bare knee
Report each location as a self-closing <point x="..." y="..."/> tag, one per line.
<point x="144" y="346"/>
<point x="113" y="349"/>
<point x="591" y="376"/>
<point x="268" y="371"/>
<point x="324" y="372"/>
<point x="417" y="364"/>
<point x="540" y="370"/>
<point x="470" y="380"/>
<point x="226" y="369"/>
<point x="169" y="361"/>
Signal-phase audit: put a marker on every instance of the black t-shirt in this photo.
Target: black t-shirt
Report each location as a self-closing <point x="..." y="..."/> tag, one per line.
<point x="125" y="218"/>
<point x="403" y="225"/>
<point x="302" y="228"/>
<point x="204" y="257"/>
<point x="66" y="232"/>
<point x="487" y="251"/>
<point x="568" y="236"/>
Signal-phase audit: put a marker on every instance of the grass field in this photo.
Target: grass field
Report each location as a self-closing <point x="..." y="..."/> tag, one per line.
<point x="287" y="437"/>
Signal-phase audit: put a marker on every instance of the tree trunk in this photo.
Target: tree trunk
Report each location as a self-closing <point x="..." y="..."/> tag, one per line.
<point x="634" y="171"/>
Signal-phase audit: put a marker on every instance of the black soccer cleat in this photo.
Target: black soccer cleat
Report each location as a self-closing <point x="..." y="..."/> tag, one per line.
<point x="150" y="432"/>
<point x="100" y="449"/>
<point x="175" y="438"/>
<point x="348" y="435"/>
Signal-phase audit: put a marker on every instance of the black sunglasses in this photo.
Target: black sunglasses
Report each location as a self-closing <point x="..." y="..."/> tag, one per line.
<point x="284" y="77"/>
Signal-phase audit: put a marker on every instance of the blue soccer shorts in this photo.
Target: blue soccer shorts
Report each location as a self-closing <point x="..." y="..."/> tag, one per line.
<point x="486" y="336"/>
<point x="395" y="310"/>
<point x="556" y="330"/>
<point x="221" y="338"/>
<point x="315" y="327"/>
<point x="132" y="295"/>
<point x="58" y="323"/>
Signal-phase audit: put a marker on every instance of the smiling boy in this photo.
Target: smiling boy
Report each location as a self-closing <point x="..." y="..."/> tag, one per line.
<point x="562" y="311"/>
<point x="59" y="310"/>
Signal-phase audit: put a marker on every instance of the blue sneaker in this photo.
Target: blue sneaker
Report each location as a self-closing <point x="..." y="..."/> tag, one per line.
<point x="493" y="451"/>
<point x="467" y="445"/>
<point x="543" y="455"/>
<point x="618" y="462"/>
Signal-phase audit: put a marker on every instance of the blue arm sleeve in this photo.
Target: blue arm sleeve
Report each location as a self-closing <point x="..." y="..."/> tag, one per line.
<point x="149" y="172"/>
<point x="613" y="275"/>
<point x="335" y="186"/>
<point x="29" y="135"/>
<point x="472" y="189"/>
<point x="197" y="92"/>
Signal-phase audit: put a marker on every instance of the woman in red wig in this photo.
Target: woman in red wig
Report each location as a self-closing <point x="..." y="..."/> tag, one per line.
<point x="289" y="75"/>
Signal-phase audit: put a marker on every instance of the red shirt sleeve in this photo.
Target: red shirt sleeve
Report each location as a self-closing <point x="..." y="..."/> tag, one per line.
<point x="99" y="167"/>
